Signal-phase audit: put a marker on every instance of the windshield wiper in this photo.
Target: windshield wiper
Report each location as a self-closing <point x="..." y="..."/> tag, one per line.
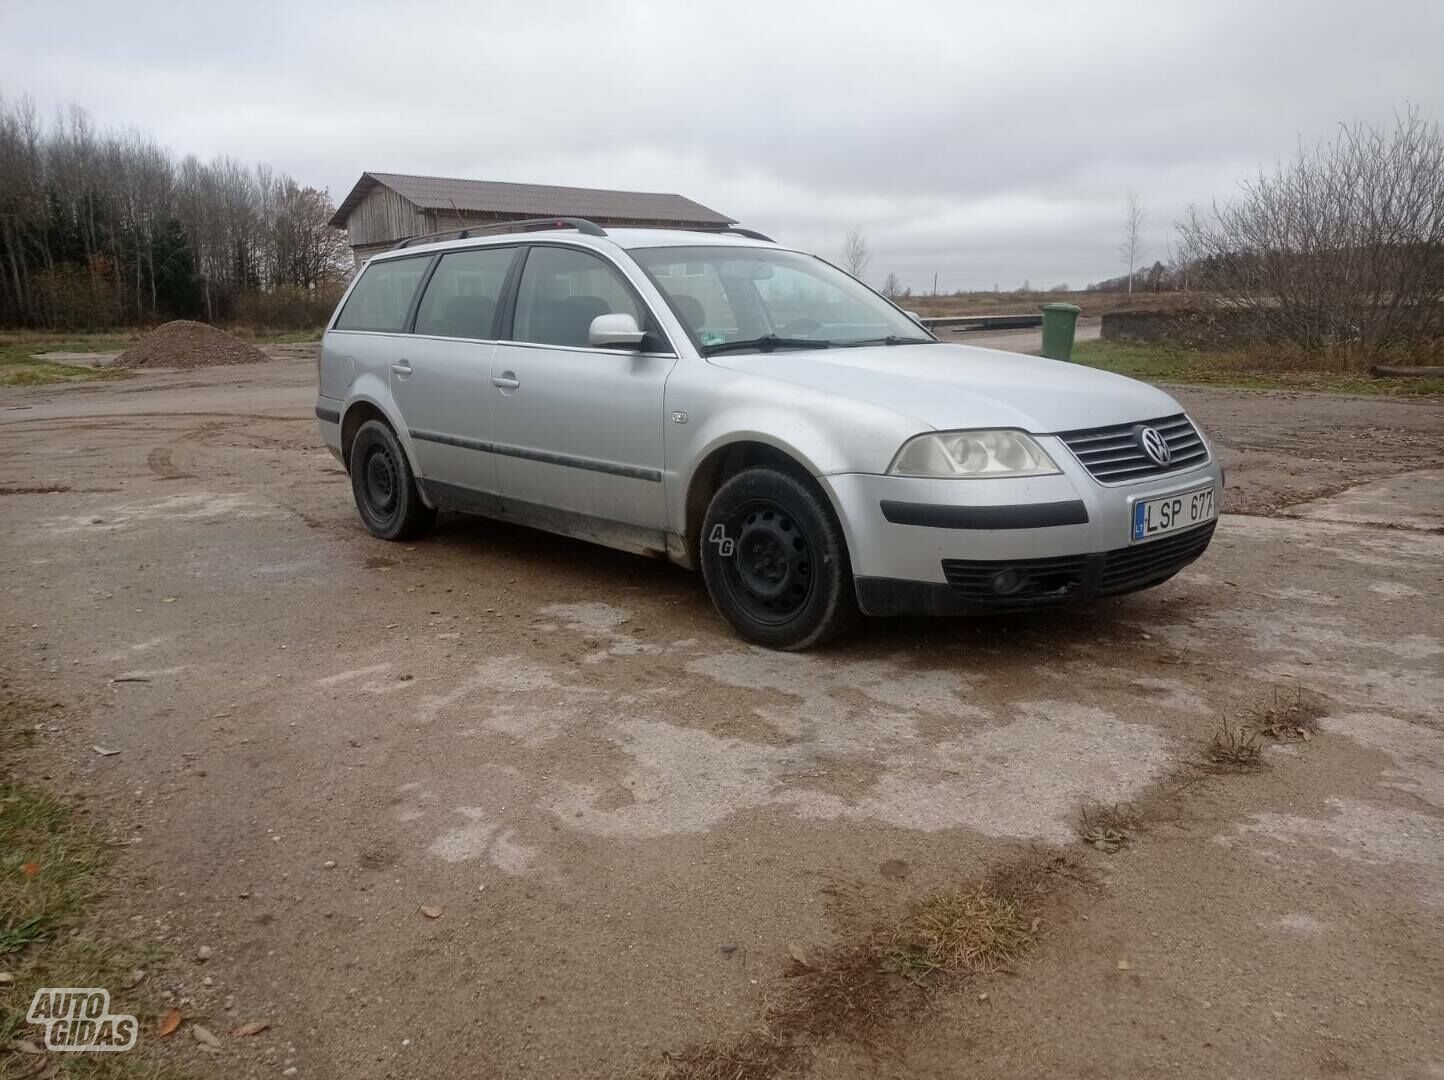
<point x="891" y="339"/>
<point x="765" y="343"/>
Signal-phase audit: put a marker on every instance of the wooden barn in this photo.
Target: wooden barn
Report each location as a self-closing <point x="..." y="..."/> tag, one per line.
<point x="386" y="207"/>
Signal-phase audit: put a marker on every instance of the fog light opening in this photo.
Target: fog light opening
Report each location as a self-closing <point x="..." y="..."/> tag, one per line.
<point x="1009" y="581"/>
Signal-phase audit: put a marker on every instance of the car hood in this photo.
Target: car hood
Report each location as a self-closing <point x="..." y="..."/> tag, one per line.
<point x="961" y="386"/>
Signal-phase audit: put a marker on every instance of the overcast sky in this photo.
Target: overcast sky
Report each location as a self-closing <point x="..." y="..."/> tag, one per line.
<point x="986" y="143"/>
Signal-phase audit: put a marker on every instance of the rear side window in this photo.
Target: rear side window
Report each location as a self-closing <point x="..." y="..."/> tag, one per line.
<point x="382" y="298"/>
<point x="563" y="290"/>
<point x="462" y="296"/>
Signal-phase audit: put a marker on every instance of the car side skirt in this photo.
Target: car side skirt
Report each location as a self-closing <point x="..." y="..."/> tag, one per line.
<point x="636" y="539"/>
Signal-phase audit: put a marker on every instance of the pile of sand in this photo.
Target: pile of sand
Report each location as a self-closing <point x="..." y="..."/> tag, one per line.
<point x="186" y="344"/>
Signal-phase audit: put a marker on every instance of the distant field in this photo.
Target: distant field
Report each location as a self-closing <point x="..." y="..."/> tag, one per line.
<point x="21" y="366"/>
<point x="1009" y="303"/>
<point x="1166" y="363"/>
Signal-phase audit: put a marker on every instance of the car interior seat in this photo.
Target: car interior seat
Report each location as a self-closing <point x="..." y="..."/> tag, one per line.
<point x="690" y="309"/>
<point x="467" y="316"/>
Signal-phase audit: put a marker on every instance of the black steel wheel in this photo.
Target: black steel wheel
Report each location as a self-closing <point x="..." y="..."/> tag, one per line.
<point x="384" y="486"/>
<point x="775" y="561"/>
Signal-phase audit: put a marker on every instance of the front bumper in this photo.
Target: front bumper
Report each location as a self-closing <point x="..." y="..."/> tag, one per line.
<point x="1046" y="582"/>
<point x="931" y="546"/>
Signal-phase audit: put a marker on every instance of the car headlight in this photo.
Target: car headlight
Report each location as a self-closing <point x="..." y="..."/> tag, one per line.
<point x="972" y="453"/>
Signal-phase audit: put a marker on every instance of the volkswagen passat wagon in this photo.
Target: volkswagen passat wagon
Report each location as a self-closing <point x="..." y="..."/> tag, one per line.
<point x="750" y="410"/>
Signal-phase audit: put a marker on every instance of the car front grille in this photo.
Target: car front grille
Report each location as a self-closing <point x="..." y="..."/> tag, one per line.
<point x="1114" y="454"/>
<point x="1072" y="577"/>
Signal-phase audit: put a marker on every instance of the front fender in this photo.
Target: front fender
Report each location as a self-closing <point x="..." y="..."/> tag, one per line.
<point x="837" y="436"/>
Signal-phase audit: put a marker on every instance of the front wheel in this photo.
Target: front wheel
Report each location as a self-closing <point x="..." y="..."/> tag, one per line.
<point x="775" y="561"/>
<point x="384" y="486"/>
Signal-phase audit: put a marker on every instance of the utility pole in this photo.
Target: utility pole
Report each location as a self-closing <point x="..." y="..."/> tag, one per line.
<point x="935" y="283"/>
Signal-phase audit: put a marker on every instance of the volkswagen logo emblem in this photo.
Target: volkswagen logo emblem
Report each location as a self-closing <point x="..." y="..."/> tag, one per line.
<point x="1154" y="445"/>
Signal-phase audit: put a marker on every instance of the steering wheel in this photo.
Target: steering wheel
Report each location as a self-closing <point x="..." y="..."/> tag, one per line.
<point x="799" y="328"/>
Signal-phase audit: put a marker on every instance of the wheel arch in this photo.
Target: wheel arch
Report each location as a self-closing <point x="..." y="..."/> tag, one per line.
<point x="357" y="412"/>
<point x="360" y="409"/>
<point x="720" y="464"/>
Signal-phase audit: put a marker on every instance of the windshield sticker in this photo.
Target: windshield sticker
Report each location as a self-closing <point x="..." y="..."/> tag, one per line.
<point x="711" y="337"/>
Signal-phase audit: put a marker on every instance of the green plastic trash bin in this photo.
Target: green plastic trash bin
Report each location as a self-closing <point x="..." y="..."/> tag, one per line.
<point x="1059" y="322"/>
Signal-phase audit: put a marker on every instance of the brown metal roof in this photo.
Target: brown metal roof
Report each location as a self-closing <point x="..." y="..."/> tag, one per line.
<point x="541" y="200"/>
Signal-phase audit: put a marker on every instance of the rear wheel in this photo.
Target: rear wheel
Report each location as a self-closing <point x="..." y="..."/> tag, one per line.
<point x="775" y="561"/>
<point x="384" y="486"/>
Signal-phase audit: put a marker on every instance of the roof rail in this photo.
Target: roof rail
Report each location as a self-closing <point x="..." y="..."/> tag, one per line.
<point x="751" y="234"/>
<point x="582" y="225"/>
<point x="738" y="230"/>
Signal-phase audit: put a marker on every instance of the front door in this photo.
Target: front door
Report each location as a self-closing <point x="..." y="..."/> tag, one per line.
<point x="578" y="429"/>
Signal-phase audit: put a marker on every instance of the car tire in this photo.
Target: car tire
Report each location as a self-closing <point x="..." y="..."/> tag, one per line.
<point x="775" y="560"/>
<point x="385" y="487"/>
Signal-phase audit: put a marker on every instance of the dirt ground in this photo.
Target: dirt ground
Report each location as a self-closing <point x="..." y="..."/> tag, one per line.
<point x="625" y="816"/>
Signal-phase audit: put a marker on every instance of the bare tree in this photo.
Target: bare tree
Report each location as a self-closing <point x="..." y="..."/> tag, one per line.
<point x="104" y="228"/>
<point x="1340" y="250"/>
<point x="855" y="253"/>
<point x="1179" y="257"/>
<point x="1135" y="219"/>
<point x="891" y="286"/>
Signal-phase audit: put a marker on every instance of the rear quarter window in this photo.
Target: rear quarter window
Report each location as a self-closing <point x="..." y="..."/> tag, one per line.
<point x="381" y="300"/>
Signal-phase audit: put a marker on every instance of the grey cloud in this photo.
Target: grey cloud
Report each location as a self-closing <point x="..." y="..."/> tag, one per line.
<point x="984" y="142"/>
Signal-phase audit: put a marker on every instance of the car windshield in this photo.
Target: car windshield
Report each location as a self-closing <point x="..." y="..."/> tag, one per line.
<point x="746" y="299"/>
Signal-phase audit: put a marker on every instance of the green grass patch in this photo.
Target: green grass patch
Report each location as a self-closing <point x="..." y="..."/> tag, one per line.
<point x="52" y="868"/>
<point x="20" y="367"/>
<point x="49" y="865"/>
<point x="1165" y="363"/>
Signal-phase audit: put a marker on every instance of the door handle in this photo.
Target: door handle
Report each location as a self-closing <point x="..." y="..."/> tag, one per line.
<point x="402" y="368"/>
<point x="507" y="380"/>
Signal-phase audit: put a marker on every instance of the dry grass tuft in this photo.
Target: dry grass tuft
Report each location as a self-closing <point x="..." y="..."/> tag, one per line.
<point x="1032" y="878"/>
<point x="968" y="930"/>
<point x="1233" y="749"/>
<point x="1107" y="827"/>
<point x="846" y="992"/>
<point x="855" y="991"/>
<point x="757" y="1055"/>
<point x="1287" y="716"/>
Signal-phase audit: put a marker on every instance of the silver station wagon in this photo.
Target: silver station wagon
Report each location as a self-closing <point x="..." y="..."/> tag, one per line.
<point x="736" y="406"/>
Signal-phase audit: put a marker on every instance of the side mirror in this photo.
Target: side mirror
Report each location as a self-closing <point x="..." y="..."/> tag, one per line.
<point x="616" y="330"/>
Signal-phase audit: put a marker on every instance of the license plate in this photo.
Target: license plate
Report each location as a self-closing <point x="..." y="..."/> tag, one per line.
<point x="1172" y="513"/>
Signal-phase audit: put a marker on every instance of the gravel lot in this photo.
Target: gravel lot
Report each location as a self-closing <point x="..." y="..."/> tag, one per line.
<point x="625" y="816"/>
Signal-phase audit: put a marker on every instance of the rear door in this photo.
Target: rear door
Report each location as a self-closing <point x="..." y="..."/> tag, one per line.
<point x="369" y="340"/>
<point x="579" y="429"/>
<point x="444" y="387"/>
